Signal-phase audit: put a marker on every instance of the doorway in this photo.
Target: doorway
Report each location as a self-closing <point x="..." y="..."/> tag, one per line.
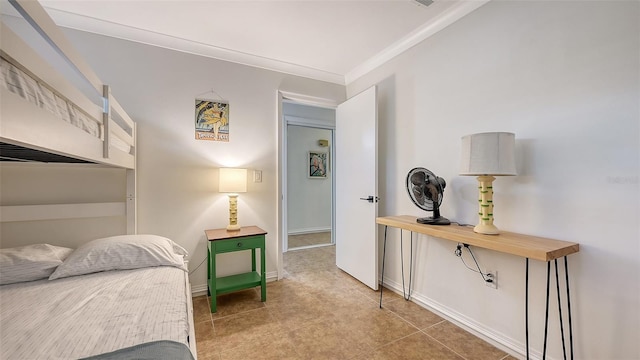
<point x="309" y="191"/>
<point x="309" y="186"/>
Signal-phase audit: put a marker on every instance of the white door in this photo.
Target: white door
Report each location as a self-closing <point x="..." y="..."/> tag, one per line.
<point x="356" y="181"/>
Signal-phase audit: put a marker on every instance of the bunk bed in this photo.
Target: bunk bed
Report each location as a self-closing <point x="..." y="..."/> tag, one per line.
<point x="46" y="116"/>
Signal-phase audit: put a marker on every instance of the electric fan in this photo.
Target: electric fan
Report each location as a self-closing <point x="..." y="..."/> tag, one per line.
<point x="426" y="190"/>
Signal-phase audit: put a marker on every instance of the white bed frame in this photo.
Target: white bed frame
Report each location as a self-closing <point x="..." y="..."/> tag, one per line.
<point x="26" y="125"/>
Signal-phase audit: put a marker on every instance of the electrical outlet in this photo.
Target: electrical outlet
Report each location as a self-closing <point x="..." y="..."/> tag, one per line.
<point x="493" y="276"/>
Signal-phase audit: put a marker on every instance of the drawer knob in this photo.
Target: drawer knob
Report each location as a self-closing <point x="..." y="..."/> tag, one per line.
<point x="239" y="244"/>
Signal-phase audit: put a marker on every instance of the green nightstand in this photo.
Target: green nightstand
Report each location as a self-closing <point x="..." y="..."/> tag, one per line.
<point x="223" y="241"/>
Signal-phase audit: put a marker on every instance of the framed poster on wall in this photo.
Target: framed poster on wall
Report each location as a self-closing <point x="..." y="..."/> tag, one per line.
<point x="317" y="164"/>
<point x="212" y="120"/>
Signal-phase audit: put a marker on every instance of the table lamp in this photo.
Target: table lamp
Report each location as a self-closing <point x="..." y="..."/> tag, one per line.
<point x="233" y="181"/>
<point x="486" y="155"/>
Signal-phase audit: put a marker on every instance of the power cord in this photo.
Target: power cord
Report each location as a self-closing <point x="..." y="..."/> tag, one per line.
<point x="459" y="224"/>
<point x="458" y="252"/>
<point x="192" y="271"/>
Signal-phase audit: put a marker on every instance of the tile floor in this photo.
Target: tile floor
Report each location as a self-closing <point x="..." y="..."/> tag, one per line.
<point x="318" y="238"/>
<point x="319" y="312"/>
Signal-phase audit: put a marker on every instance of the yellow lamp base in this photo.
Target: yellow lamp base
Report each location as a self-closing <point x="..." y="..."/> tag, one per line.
<point x="485" y="202"/>
<point x="233" y="213"/>
<point x="488" y="229"/>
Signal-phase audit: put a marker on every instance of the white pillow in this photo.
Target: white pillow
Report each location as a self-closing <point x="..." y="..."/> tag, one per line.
<point x="121" y="253"/>
<point x="31" y="262"/>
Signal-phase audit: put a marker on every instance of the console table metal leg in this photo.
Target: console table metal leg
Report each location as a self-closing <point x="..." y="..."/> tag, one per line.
<point x="564" y="347"/>
<point x="546" y="319"/>
<point x="406" y="294"/>
<point x="566" y="273"/>
<point x="384" y="252"/>
<point x="526" y="306"/>
<point x="546" y="315"/>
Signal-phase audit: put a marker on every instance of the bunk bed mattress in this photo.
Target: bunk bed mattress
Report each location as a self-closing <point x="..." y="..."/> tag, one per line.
<point x="37" y="93"/>
<point x="93" y="314"/>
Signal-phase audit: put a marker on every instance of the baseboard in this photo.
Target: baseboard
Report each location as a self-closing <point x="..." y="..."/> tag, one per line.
<point x="308" y="231"/>
<point x="497" y="339"/>
<point x="201" y="289"/>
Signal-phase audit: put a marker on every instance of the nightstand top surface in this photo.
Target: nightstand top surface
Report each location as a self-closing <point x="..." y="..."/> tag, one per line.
<point x="224" y="234"/>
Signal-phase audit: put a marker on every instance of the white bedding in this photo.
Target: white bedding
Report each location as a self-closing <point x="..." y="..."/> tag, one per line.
<point x="92" y="314"/>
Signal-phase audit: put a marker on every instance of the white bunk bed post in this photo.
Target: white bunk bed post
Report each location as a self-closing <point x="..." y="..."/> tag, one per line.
<point x="106" y="120"/>
<point x="132" y="187"/>
<point x="131" y="207"/>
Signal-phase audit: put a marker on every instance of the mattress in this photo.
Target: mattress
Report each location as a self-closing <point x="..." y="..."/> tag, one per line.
<point x="92" y="314"/>
<point x="39" y="94"/>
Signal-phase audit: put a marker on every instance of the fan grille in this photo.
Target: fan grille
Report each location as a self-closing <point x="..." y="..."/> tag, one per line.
<point x="424" y="188"/>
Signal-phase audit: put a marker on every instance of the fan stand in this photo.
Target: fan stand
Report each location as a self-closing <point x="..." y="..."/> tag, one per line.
<point x="436" y="219"/>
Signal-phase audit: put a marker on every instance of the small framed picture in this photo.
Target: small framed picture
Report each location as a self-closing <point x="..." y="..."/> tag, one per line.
<point x="317" y="165"/>
<point x="212" y="120"/>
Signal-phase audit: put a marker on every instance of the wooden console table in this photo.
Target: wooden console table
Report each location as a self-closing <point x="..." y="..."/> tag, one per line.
<point x="223" y="241"/>
<point x="528" y="247"/>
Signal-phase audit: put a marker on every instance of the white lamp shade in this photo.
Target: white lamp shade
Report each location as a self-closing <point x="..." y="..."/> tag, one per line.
<point x="233" y="180"/>
<point x="488" y="154"/>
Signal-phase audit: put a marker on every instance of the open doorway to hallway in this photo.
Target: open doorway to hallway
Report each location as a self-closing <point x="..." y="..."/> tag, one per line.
<point x="309" y="187"/>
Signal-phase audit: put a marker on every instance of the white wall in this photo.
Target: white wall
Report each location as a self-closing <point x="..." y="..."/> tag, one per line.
<point x="322" y="115"/>
<point x="563" y="76"/>
<point x="177" y="175"/>
<point x="308" y="199"/>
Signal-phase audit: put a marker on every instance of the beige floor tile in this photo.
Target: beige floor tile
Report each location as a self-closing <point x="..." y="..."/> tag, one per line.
<point x="237" y="302"/>
<point x="234" y="330"/>
<point x="299" y="311"/>
<point x="327" y="339"/>
<point x="413" y="313"/>
<point x="201" y="309"/>
<point x="417" y="346"/>
<point x="204" y="330"/>
<point x="266" y="347"/>
<point x="346" y="303"/>
<point x="376" y="327"/>
<point x="309" y="239"/>
<point x="207" y="349"/>
<point x="282" y="292"/>
<point x="463" y="342"/>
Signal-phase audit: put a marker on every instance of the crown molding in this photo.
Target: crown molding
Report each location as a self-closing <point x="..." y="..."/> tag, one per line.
<point x="124" y="32"/>
<point x="427" y="30"/>
<point x="120" y="31"/>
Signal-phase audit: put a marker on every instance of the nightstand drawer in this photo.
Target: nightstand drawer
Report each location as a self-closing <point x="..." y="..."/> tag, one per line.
<point x="239" y="244"/>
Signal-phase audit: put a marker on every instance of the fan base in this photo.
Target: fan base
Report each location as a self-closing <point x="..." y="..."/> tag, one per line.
<point x="434" y="221"/>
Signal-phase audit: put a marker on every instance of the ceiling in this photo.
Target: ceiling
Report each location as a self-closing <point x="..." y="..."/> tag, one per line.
<point x="330" y="40"/>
